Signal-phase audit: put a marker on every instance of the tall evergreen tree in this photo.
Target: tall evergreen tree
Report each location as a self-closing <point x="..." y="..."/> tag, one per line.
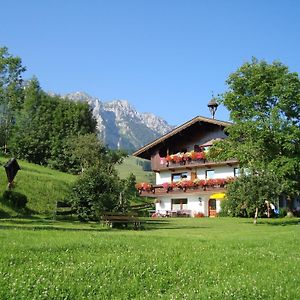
<point x="70" y="119"/>
<point x="31" y="136"/>
<point x="44" y="126"/>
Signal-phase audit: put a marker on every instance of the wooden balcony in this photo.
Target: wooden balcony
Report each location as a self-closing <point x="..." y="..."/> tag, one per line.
<point x="159" y="164"/>
<point x="158" y="190"/>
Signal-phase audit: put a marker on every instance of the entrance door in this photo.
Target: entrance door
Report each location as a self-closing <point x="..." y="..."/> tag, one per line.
<point x="212" y="207"/>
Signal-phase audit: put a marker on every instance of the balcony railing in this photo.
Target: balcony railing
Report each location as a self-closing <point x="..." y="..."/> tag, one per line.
<point x="184" y="160"/>
<point x="183" y="186"/>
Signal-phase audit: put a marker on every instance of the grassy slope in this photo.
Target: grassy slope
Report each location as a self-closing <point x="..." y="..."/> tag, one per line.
<point x="42" y="186"/>
<point x="175" y="259"/>
<point x="130" y="166"/>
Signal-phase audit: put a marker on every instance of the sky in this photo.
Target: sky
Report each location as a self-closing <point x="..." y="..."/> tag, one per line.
<point x="163" y="56"/>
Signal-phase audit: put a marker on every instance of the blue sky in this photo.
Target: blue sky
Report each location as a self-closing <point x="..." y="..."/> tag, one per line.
<point x="163" y="56"/>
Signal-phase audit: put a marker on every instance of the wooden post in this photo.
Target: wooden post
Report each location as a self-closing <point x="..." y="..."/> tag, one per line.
<point x="268" y="209"/>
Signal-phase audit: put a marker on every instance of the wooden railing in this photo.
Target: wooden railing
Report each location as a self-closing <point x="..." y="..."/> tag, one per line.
<point x="161" y="163"/>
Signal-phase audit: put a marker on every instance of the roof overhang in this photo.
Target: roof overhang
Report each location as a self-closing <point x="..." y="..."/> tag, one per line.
<point x="144" y="151"/>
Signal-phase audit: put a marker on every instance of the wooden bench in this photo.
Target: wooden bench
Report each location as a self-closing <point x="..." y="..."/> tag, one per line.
<point x="121" y="221"/>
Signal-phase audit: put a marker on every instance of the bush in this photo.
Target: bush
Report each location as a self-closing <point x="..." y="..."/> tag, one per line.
<point x="14" y="199"/>
<point x="296" y="212"/>
<point x="282" y="212"/>
<point x="225" y="211"/>
<point x="96" y="191"/>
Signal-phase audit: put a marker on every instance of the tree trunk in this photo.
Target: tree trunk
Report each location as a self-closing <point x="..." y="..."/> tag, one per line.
<point x="268" y="209"/>
<point x="255" y="216"/>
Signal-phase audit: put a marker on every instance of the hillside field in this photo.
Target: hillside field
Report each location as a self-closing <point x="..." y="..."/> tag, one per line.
<point x="131" y="165"/>
<point x="220" y="258"/>
<point x="44" y="186"/>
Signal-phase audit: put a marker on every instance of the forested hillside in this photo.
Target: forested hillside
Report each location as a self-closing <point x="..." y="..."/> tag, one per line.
<point x="59" y="134"/>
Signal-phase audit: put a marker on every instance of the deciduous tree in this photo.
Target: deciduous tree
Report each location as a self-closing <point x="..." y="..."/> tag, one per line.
<point x="11" y="93"/>
<point x="264" y="104"/>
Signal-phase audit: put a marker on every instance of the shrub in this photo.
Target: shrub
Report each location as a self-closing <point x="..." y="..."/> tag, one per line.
<point x="296" y="212"/>
<point x="99" y="190"/>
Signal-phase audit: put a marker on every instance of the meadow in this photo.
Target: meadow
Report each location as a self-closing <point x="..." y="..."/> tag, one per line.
<point x="204" y="258"/>
<point x="42" y="187"/>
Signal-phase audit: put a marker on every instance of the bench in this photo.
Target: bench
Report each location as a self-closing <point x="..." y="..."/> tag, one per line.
<point x="121" y="221"/>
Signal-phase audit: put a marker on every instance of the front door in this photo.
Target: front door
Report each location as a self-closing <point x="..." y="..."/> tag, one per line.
<point x="212" y="207"/>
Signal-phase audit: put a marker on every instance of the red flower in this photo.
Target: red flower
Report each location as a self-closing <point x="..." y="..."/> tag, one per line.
<point x="168" y="158"/>
<point x="184" y="184"/>
<point x="200" y="155"/>
<point x="143" y="186"/>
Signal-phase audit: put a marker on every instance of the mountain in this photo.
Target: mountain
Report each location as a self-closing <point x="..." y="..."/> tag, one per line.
<point x="120" y="126"/>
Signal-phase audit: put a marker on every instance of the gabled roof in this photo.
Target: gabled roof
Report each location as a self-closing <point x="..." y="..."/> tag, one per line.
<point x="178" y="130"/>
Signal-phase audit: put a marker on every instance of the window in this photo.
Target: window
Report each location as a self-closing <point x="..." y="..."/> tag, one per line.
<point x="209" y="174"/>
<point x="178" y="176"/>
<point x="236" y="172"/>
<point x="179" y="204"/>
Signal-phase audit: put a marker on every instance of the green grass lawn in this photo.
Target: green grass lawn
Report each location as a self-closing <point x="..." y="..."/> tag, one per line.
<point x="219" y="258"/>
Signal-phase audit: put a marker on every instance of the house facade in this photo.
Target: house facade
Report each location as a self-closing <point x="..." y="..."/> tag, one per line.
<point x="187" y="183"/>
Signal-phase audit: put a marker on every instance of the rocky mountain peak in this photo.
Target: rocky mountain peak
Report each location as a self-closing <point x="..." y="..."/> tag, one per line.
<point x="122" y="109"/>
<point x="120" y="125"/>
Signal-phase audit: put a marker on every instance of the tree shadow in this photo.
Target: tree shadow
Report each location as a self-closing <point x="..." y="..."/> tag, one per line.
<point x="157" y="224"/>
<point x="4" y="214"/>
<point x="282" y="222"/>
<point x="54" y="228"/>
<point x="17" y="202"/>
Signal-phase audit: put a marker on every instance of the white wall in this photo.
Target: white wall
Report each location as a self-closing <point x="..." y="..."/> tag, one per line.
<point x="220" y="172"/>
<point x="164" y="204"/>
<point x="163" y="177"/>
<point x="218" y="202"/>
<point x="193" y="203"/>
<point x="196" y="206"/>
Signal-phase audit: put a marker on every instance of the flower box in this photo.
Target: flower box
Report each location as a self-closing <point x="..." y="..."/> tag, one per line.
<point x="144" y="186"/>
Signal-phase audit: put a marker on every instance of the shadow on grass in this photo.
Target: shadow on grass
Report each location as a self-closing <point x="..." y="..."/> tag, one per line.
<point x="35" y="223"/>
<point x="49" y="227"/>
<point x="17" y="203"/>
<point x="4" y="214"/>
<point x="281" y="222"/>
<point x="168" y="224"/>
